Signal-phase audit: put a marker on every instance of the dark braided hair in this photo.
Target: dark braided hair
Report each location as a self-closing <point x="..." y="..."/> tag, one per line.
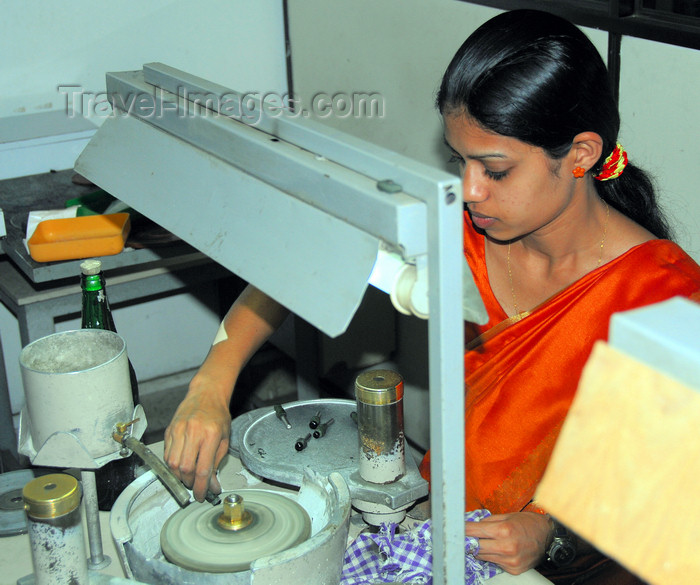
<point x="536" y="77"/>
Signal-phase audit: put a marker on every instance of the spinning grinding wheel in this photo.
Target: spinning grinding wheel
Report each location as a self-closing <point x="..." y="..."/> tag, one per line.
<point x="226" y="538"/>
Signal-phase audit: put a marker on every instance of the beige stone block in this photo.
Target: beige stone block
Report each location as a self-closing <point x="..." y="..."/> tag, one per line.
<point x="625" y="473"/>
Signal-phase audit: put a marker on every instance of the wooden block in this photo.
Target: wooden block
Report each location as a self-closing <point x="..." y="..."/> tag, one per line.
<point x="625" y="472"/>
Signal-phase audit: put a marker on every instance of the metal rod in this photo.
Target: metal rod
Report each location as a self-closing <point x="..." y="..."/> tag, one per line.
<point x="163" y="472"/>
<point x="97" y="559"/>
<point x="282" y="415"/>
<point x="301" y="443"/>
<point x="315" y="420"/>
<point x="446" y="376"/>
<point x="8" y="438"/>
<point x="321" y="430"/>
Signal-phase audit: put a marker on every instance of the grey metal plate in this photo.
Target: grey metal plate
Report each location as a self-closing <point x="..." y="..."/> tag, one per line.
<point x="288" y="248"/>
<point x="13" y="519"/>
<point x="266" y="447"/>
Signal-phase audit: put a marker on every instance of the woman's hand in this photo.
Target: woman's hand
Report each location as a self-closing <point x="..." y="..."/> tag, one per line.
<point x="516" y="542"/>
<point x="197" y="440"/>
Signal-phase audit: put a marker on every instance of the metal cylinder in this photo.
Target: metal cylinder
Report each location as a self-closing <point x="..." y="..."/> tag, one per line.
<point x="52" y="504"/>
<point x="379" y="395"/>
<point x="164" y="473"/>
<point x="235" y="516"/>
<point x="98" y="560"/>
<point x="77" y="382"/>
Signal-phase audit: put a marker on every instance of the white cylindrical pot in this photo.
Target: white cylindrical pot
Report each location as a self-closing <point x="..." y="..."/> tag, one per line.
<point x="77" y="382"/>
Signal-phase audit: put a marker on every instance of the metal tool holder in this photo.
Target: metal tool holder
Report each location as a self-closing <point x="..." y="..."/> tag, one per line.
<point x="267" y="447"/>
<point x="300" y="210"/>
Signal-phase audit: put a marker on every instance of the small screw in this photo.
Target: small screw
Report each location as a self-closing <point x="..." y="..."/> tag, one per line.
<point x="321" y="430"/>
<point x="389" y="186"/>
<point x="315" y="420"/>
<point x="123" y="426"/>
<point x="282" y="415"/>
<point x="300" y="445"/>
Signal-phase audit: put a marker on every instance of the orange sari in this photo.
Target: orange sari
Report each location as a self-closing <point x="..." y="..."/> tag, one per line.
<point x="521" y="374"/>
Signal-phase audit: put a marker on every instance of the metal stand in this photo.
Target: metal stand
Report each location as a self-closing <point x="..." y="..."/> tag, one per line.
<point x="8" y="438"/>
<point x="346" y="200"/>
<point x="98" y="560"/>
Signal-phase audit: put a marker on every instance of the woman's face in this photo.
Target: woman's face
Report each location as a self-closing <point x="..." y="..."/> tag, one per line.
<point x="510" y="188"/>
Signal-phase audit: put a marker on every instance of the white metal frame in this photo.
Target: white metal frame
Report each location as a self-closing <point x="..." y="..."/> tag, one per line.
<point x="194" y="169"/>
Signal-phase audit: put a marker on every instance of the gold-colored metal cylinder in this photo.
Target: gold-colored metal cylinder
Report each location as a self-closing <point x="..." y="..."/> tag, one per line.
<point x="51" y="496"/>
<point x="52" y="504"/>
<point x="234" y="516"/>
<point x="379" y="387"/>
<point x="379" y="395"/>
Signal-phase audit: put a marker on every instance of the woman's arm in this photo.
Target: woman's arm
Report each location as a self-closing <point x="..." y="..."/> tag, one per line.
<point x="519" y="541"/>
<point x="198" y="435"/>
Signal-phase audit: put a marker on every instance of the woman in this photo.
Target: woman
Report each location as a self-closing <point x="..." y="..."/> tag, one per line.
<point x="561" y="231"/>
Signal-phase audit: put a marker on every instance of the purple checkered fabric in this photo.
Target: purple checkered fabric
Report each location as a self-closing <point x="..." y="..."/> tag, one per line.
<point x="407" y="557"/>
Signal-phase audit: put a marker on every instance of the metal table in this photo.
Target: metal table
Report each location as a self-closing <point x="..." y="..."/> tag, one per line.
<point x="39" y="293"/>
<point x="51" y="191"/>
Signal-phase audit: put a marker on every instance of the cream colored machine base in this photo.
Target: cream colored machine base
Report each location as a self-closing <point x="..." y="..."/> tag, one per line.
<point x="142" y="509"/>
<point x="15" y="557"/>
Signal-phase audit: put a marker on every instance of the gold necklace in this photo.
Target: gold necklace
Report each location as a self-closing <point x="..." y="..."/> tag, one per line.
<point x="600" y="257"/>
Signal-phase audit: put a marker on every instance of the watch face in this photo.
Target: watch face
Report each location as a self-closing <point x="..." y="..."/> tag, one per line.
<point x="562" y="552"/>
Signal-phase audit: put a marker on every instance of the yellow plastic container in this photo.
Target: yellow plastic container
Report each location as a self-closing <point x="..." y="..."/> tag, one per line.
<point x="79" y="237"/>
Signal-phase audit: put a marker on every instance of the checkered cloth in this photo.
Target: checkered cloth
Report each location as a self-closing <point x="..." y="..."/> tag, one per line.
<point x="407" y="557"/>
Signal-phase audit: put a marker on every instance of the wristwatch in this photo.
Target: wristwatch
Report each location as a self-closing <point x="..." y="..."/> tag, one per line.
<point x="562" y="550"/>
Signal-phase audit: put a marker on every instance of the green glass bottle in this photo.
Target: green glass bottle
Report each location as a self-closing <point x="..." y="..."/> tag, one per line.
<point x="112" y="478"/>
<point x="95" y="313"/>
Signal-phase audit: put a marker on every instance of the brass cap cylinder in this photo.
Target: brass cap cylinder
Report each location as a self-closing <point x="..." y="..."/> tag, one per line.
<point x="379" y="387"/>
<point x="234" y="516"/>
<point x="51" y="496"/>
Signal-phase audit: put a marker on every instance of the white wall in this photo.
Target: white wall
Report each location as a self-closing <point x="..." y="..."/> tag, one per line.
<point x="660" y="109"/>
<point x="396" y="48"/>
<point x="236" y="43"/>
<point x="400" y="49"/>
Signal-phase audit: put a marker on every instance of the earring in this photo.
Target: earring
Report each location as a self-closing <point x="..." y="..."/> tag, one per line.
<point x="578" y="172"/>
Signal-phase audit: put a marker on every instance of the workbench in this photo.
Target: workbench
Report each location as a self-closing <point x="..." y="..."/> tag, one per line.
<point x="15" y="551"/>
<point x="38" y="294"/>
<point x="51" y="191"/>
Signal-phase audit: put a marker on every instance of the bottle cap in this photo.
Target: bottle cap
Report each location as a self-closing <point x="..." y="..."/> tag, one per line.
<point x="91" y="267"/>
<point x="51" y="496"/>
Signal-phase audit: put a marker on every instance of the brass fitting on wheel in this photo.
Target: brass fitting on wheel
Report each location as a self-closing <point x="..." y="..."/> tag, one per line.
<point x="234" y="516"/>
